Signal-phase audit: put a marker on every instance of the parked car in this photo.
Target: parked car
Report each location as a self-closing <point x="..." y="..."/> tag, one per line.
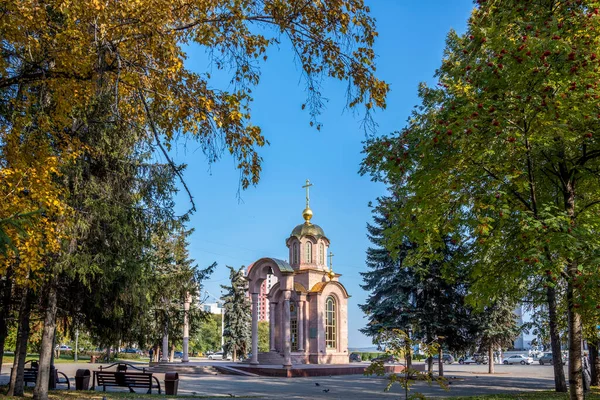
<point x="355" y="357"/>
<point x="518" y="359"/>
<point x="473" y="359"/>
<point x="64" y="347"/>
<point x="386" y="359"/>
<point x="178" y="354"/>
<point x="446" y="358"/>
<point x="219" y="356"/>
<point x="132" y="351"/>
<point x="547" y="359"/>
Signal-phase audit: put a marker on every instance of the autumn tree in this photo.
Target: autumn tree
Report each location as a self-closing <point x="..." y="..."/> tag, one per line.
<point x="58" y="58"/>
<point x="507" y="145"/>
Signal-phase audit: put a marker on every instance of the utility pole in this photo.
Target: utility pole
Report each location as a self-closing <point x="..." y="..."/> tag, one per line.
<point x="76" y="344"/>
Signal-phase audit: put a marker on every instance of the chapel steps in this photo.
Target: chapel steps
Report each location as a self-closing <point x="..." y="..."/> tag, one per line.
<point x="185" y="369"/>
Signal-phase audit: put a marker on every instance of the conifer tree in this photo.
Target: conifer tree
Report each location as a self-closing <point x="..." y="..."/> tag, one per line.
<point x="424" y="300"/>
<point x="237" y="320"/>
<point x="393" y="287"/>
<point x="497" y="327"/>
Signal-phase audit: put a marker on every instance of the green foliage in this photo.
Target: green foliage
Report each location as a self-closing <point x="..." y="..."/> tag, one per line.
<point x="237" y="331"/>
<point x="263" y="336"/>
<point x="426" y="299"/>
<point x="503" y="156"/>
<point x="208" y="335"/>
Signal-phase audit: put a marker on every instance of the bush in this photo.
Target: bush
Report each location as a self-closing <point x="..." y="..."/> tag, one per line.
<point x="128" y="356"/>
<point x="65" y="354"/>
<point x="365" y="356"/>
<point x="374" y="355"/>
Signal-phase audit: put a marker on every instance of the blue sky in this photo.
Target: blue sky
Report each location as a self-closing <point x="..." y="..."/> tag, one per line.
<point x="234" y="231"/>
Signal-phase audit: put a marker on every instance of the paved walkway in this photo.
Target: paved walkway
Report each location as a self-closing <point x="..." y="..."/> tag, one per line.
<point x="470" y="380"/>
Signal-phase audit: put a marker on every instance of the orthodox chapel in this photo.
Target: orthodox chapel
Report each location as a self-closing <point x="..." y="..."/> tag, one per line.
<point x="308" y="306"/>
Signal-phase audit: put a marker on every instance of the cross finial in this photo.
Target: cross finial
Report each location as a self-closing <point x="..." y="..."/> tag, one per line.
<point x="330" y="273"/>
<point x="307" y="187"/>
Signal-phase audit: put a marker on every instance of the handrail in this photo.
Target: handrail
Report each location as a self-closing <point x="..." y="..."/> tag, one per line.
<point x="143" y="369"/>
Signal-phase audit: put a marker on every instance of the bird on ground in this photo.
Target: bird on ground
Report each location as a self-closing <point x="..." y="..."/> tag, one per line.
<point x="317" y="384"/>
<point x="326" y="390"/>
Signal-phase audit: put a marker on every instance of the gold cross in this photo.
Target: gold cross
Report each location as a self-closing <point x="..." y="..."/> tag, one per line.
<point x="331" y="261"/>
<point x="307" y="186"/>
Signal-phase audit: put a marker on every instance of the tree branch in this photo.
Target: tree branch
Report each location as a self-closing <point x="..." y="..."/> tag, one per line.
<point x="163" y="150"/>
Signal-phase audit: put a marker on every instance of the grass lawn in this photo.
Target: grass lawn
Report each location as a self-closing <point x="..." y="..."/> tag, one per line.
<point x="593" y="395"/>
<point x="69" y="359"/>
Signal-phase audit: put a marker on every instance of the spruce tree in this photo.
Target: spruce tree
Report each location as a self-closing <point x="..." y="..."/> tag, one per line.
<point x="237" y="319"/>
<point x="425" y="301"/>
<point x="393" y="288"/>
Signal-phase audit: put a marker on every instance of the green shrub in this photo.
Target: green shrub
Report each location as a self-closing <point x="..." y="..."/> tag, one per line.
<point x="128" y="356"/>
<point x="365" y="356"/>
<point x="374" y="355"/>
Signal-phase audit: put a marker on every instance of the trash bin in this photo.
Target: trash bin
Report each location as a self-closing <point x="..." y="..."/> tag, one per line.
<point x="171" y="383"/>
<point x="82" y="379"/>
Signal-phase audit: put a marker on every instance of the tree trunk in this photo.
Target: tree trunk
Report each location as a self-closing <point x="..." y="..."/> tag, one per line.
<point x="4" y="311"/>
<point x="172" y="353"/>
<point x="594" y="363"/>
<point x="491" y="359"/>
<point x="560" y="384"/>
<point x="16" y="375"/>
<point x="40" y="391"/>
<point x="441" y="362"/>
<point x="575" y="336"/>
<point x="408" y="357"/>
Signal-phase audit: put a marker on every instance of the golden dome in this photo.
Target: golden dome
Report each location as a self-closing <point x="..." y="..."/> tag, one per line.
<point x="308" y="229"/>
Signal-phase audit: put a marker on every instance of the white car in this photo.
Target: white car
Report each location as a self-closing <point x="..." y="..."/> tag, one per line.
<point x="63" y="347"/>
<point x="518" y="359"/>
<point x="218" y="356"/>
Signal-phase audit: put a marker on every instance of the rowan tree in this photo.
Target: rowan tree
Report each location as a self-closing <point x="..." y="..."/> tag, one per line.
<point x="506" y="145"/>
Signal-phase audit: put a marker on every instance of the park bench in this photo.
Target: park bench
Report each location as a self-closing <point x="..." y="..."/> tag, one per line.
<point x="124" y="378"/>
<point x="30" y="376"/>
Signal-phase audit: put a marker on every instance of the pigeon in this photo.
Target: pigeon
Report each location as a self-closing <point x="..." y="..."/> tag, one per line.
<point x="317" y="384"/>
<point x="326" y="390"/>
<point x="231" y="395"/>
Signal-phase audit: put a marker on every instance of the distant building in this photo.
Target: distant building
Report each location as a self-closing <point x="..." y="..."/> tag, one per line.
<point x="519" y="343"/>
<point x="213" y="308"/>
<point x="263" y="302"/>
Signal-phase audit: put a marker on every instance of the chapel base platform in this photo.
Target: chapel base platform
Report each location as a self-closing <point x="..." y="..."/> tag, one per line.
<point x="306" y="370"/>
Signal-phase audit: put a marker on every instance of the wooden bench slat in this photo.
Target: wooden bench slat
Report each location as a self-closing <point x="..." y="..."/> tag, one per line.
<point x="127" y="379"/>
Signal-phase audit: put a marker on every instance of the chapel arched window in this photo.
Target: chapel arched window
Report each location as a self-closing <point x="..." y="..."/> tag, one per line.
<point x="322" y="254"/>
<point x="330" y="323"/>
<point x="308" y="252"/>
<point x="295" y="251"/>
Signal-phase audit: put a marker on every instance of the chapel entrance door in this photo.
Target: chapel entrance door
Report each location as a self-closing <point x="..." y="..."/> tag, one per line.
<point x="293" y="327"/>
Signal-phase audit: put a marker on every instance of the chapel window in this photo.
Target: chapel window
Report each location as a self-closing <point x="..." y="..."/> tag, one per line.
<point x="295" y="253"/>
<point x="322" y="254"/>
<point x="330" y="323"/>
<point x="308" y="252"/>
